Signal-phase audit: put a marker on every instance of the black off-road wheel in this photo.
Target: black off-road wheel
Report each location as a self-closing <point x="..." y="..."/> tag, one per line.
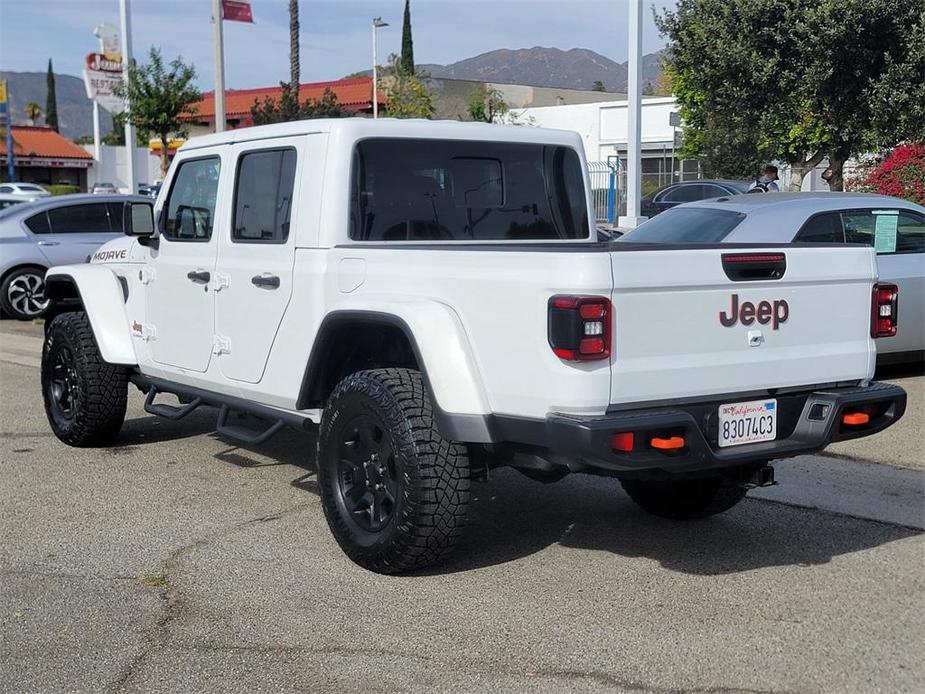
<point x="684" y="499"/>
<point x="394" y="491"/>
<point x="84" y="396"/>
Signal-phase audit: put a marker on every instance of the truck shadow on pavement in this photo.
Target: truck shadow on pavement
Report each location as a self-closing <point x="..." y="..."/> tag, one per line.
<point x="512" y="517"/>
<point x="150" y="429"/>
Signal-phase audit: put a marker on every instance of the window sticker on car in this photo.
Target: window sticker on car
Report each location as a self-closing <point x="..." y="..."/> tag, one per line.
<point x="885" y="225"/>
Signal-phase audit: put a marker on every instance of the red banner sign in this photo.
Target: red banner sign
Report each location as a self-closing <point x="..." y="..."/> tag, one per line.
<point x="236" y="11"/>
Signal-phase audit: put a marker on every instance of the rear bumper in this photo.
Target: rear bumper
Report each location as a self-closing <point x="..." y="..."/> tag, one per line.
<point x="807" y="422"/>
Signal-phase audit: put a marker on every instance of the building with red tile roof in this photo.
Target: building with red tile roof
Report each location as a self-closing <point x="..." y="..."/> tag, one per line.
<point x="354" y="94"/>
<point x="41" y="155"/>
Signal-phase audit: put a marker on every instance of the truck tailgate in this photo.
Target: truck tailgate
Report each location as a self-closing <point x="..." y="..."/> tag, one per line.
<point x="689" y="322"/>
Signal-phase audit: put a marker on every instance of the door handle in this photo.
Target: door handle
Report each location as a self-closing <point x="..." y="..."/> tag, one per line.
<point x="265" y="281"/>
<point x="49" y="243"/>
<point x="199" y="276"/>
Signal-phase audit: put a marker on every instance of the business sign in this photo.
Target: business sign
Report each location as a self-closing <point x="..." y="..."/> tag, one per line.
<point x="103" y="70"/>
<point x="4" y="112"/>
<point x="235" y="11"/>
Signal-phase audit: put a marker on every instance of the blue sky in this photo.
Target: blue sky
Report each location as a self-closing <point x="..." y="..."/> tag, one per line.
<point x="335" y="34"/>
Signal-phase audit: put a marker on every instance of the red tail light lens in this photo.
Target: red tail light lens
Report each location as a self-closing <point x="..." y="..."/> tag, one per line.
<point x="579" y="327"/>
<point x="622" y="442"/>
<point x="884" y="309"/>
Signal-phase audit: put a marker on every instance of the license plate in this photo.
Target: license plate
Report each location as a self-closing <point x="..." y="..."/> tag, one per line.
<point x="747" y="422"/>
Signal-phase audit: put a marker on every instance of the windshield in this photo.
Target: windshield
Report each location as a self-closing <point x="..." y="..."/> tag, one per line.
<point x="686" y="225"/>
<point x="460" y="190"/>
<point x="36" y="189"/>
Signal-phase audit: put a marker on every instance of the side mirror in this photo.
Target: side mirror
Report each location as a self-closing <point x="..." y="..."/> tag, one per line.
<point x="138" y="219"/>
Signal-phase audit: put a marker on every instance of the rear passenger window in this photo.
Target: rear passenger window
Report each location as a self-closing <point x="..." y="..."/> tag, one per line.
<point x="38" y="223"/>
<point x="79" y="219"/>
<point x="263" y="196"/>
<point x="685" y="193"/>
<point x="449" y="190"/>
<point x="189" y="212"/>
<point x="822" y="228"/>
<point x="887" y="230"/>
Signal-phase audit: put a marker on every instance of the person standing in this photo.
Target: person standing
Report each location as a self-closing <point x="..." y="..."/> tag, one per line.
<point x="766" y="183"/>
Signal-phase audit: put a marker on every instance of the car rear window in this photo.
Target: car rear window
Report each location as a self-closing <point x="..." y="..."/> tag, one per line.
<point x="686" y="225"/>
<point x="454" y="190"/>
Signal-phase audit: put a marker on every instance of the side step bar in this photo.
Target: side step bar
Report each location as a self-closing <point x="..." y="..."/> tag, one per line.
<point x="196" y="397"/>
<point x="243" y="434"/>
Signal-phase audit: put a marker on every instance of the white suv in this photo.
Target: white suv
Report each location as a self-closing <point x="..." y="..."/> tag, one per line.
<point x="433" y="299"/>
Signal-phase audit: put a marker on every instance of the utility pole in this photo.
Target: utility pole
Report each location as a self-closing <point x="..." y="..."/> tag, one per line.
<point x="219" y="66"/>
<point x="634" y="120"/>
<point x="96" y="131"/>
<point x="377" y="24"/>
<point x="126" y="25"/>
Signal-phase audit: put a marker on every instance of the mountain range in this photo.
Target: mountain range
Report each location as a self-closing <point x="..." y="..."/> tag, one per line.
<point x="75" y="111"/>
<point x="576" y="68"/>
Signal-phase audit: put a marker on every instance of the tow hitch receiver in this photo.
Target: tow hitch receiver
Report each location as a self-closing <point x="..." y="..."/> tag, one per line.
<point x="762" y="477"/>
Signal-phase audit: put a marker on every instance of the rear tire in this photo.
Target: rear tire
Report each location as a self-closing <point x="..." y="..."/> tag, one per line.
<point x="394" y="491"/>
<point x="85" y="397"/>
<point x="684" y="499"/>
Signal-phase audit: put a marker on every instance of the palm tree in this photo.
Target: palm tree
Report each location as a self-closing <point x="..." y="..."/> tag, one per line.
<point x="32" y="111"/>
<point x="294" y="47"/>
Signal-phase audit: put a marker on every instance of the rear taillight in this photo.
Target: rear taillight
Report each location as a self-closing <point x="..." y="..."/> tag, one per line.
<point x="579" y="327"/>
<point x="884" y="307"/>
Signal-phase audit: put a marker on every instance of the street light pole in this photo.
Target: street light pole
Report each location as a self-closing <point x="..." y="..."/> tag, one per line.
<point x="377" y="24"/>
<point x="634" y="119"/>
<point x="219" y="47"/>
<point x="126" y="22"/>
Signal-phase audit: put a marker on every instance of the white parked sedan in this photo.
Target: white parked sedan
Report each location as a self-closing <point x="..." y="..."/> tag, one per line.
<point x="896" y="229"/>
<point x="30" y="191"/>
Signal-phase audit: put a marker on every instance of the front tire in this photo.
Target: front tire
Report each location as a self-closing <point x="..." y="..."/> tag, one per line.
<point x="394" y="491"/>
<point x="684" y="499"/>
<point x="85" y="397"/>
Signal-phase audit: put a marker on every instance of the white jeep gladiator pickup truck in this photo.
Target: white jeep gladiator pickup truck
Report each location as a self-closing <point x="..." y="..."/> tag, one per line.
<point x="434" y="300"/>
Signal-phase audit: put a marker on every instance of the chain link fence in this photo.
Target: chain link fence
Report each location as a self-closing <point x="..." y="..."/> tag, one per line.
<point x="608" y="182"/>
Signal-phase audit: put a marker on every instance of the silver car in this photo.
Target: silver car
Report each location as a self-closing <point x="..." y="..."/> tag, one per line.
<point x="36" y="235"/>
<point x="894" y="227"/>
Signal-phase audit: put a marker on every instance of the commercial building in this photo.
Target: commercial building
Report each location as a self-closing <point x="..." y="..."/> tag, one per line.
<point x="353" y="94"/>
<point x="603" y="127"/>
<point x="41" y="155"/>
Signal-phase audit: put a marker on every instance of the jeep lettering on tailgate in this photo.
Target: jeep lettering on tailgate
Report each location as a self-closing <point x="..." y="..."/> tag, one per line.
<point x="773" y="312"/>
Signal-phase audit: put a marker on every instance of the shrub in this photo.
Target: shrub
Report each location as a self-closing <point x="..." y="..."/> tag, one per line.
<point x="900" y="174"/>
<point x="62" y="189"/>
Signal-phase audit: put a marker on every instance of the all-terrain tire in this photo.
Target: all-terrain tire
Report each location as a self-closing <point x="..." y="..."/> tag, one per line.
<point x="378" y="430"/>
<point x="85" y="397"/>
<point x="684" y="499"/>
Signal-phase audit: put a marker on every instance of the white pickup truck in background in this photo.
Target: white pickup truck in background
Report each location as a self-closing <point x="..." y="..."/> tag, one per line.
<point x="432" y="298"/>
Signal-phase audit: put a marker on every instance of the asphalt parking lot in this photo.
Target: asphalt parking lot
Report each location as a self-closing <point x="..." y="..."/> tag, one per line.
<point x="176" y="561"/>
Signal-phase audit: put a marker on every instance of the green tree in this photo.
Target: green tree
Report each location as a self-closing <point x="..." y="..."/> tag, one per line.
<point x="407" y="45"/>
<point x="487" y="104"/>
<point x="33" y="111"/>
<point x="287" y="108"/>
<point x="406" y="94"/>
<point x="51" y="100"/>
<point x="598" y="86"/>
<point x="159" y="96"/>
<point x="294" y="46"/>
<point x="795" y="80"/>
